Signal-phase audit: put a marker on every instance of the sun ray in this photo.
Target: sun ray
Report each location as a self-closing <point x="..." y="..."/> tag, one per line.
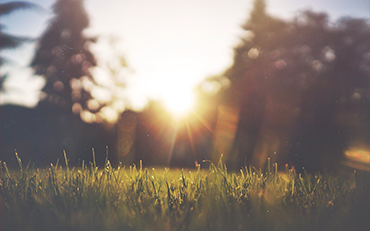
<point x="190" y="137"/>
<point x="205" y="124"/>
<point x="173" y="141"/>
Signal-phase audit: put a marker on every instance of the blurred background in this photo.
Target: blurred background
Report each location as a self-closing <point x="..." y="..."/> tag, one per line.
<point x="175" y="82"/>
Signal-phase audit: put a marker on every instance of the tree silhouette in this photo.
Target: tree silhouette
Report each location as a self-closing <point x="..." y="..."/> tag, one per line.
<point x="63" y="58"/>
<point x="332" y="75"/>
<point x="82" y="91"/>
<point x="292" y="80"/>
<point x="250" y="77"/>
<point x="78" y="78"/>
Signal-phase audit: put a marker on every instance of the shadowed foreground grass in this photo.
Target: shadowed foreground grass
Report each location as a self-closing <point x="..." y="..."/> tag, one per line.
<point x="88" y="198"/>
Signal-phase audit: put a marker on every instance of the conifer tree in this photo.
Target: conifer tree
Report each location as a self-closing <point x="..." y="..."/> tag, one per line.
<point x="63" y="57"/>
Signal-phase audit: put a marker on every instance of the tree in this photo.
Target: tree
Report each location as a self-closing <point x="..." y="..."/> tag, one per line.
<point x="78" y="78"/>
<point x="63" y="58"/>
<point x="332" y="75"/>
<point x="292" y="80"/>
<point x="250" y="76"/>
<point x="83" y="89"/>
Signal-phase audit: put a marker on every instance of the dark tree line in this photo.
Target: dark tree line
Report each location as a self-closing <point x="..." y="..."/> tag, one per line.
<point x="299" y="93"/>
<point x="300" y="86"/>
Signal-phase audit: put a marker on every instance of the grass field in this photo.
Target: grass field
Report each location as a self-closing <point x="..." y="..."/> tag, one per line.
<point x="88" y="198"/>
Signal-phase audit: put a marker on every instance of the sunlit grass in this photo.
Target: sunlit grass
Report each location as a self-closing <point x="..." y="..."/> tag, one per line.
<point x="137" y="198"/>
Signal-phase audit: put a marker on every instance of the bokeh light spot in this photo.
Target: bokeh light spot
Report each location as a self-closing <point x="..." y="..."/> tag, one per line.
<point x="253" y="53"/>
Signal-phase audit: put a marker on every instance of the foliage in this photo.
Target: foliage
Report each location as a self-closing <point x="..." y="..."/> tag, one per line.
<point x="294" y="79"/>
<point x="10" y="41"/>
<point x="110" y="76"/>
<point x="79" y="76"/>
<point x="88" y="198"/>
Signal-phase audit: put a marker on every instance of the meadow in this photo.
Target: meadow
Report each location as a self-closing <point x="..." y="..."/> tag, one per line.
<point x="206" y="198"/>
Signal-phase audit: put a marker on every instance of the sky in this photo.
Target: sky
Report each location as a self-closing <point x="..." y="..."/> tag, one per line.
<point x="162" y="40"/>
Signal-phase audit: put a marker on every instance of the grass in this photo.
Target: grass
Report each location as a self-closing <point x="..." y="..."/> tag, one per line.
<point x="88" y="198"/>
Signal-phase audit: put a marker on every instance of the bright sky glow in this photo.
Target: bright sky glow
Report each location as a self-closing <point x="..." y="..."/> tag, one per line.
<point x="173" y="84"/>
<point x="178" y="102"/>
<point x="175" y="90"/>
<point x="171" y="45"/>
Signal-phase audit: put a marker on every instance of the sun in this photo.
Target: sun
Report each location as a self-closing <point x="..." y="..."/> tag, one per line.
<point x="175" y="84"/>
<point x="178" y="100"/>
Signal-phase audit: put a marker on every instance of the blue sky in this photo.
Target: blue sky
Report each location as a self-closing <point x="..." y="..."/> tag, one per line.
<point x="194" y="36"/>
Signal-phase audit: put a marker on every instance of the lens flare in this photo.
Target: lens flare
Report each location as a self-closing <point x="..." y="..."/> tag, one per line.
<point x="358" y="156"/>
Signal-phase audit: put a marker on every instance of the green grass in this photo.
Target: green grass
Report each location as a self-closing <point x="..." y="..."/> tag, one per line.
<point x="88" y="198"/>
